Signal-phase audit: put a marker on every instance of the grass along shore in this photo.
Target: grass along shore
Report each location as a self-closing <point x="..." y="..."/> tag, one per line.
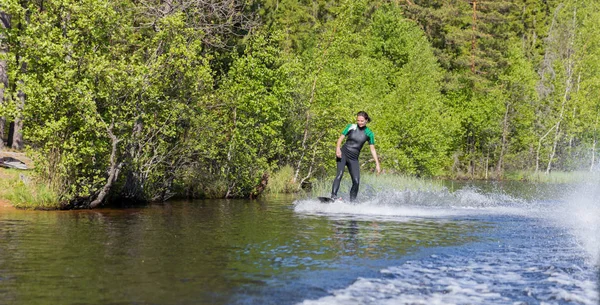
<point x="22" y="190"/>
<point x="371" y="183"/>
<point x="553" y="177"/>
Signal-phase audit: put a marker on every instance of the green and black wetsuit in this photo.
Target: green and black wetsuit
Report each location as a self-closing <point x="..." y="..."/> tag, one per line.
<point x="355" y="139"/>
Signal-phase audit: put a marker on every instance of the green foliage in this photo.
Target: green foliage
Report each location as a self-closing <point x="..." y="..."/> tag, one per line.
<point x="24" y="190"/>
<point x="200" y="104"/>
<point x="519" y="99"/>
<point x="281" y="181"/>
<point x="90" y="73"/>
<point x="237" y="134"/>
<point x="417" y="125"/>
<point x="299" y="21"/>
<point x="554" y="177"/>
<point x="586" y="109"/>
<point x="256" y="92"/>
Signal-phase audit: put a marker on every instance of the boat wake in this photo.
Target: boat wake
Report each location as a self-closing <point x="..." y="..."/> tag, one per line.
<point x="547" y="251"/>
<point x="577" y="212"/>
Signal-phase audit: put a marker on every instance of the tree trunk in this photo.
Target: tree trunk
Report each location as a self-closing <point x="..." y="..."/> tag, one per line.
<point x="537" y="155"/>
<point x="113" y="171"/>
<point x="567" y="94"/>
<point x="471" y="148"/>
<point x="556" y="138"/>
<point x="310" y="168"/>
<point x="499" y="168"/>
<point x="3" y="85"/>
<point x="473" y="38"/>
<point x="17" y="131"/>
<point x="4" y="24"/>
<point x="487" y="163"/>
<point x="593" y="161"/>
<point x="230" y="152"/>
<point x="306" y="126"/>
<point x="2" y="123"/>
<point x="17" y="136"/>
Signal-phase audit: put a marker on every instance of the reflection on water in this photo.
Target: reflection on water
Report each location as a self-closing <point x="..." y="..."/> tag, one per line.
<point x="201" y="252"/>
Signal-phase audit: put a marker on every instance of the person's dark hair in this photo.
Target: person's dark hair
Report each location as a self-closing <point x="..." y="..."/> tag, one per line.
<point x="364" y="115"/>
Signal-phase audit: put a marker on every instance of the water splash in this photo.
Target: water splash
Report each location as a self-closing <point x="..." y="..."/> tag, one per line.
<point x="579" y="213"/>
<point x="577" y="210"/>
<point x="420" y="203"/>
<point x="473" y="278"/>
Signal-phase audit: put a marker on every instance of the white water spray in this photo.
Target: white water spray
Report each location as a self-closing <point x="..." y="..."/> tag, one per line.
<point x="579" y="213"/>
<point x="408" y="204"/>
<point x="537" y="257"/>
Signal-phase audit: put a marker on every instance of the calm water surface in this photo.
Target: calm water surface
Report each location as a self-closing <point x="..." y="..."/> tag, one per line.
<point x="490" y="244"/>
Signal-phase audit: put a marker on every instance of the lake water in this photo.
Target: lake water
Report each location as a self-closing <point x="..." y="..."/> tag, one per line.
<point x="491" y="244"/>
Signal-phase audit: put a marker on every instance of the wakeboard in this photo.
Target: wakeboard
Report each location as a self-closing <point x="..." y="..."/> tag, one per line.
<point x="325" y="199"/>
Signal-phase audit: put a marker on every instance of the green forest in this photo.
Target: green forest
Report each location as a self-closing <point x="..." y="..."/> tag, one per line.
<point x="146" y="100"/>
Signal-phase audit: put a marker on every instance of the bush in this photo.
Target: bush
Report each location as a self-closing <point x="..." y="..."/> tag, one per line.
<point x="282" y="181"/>
<point x="23" y="190"/>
